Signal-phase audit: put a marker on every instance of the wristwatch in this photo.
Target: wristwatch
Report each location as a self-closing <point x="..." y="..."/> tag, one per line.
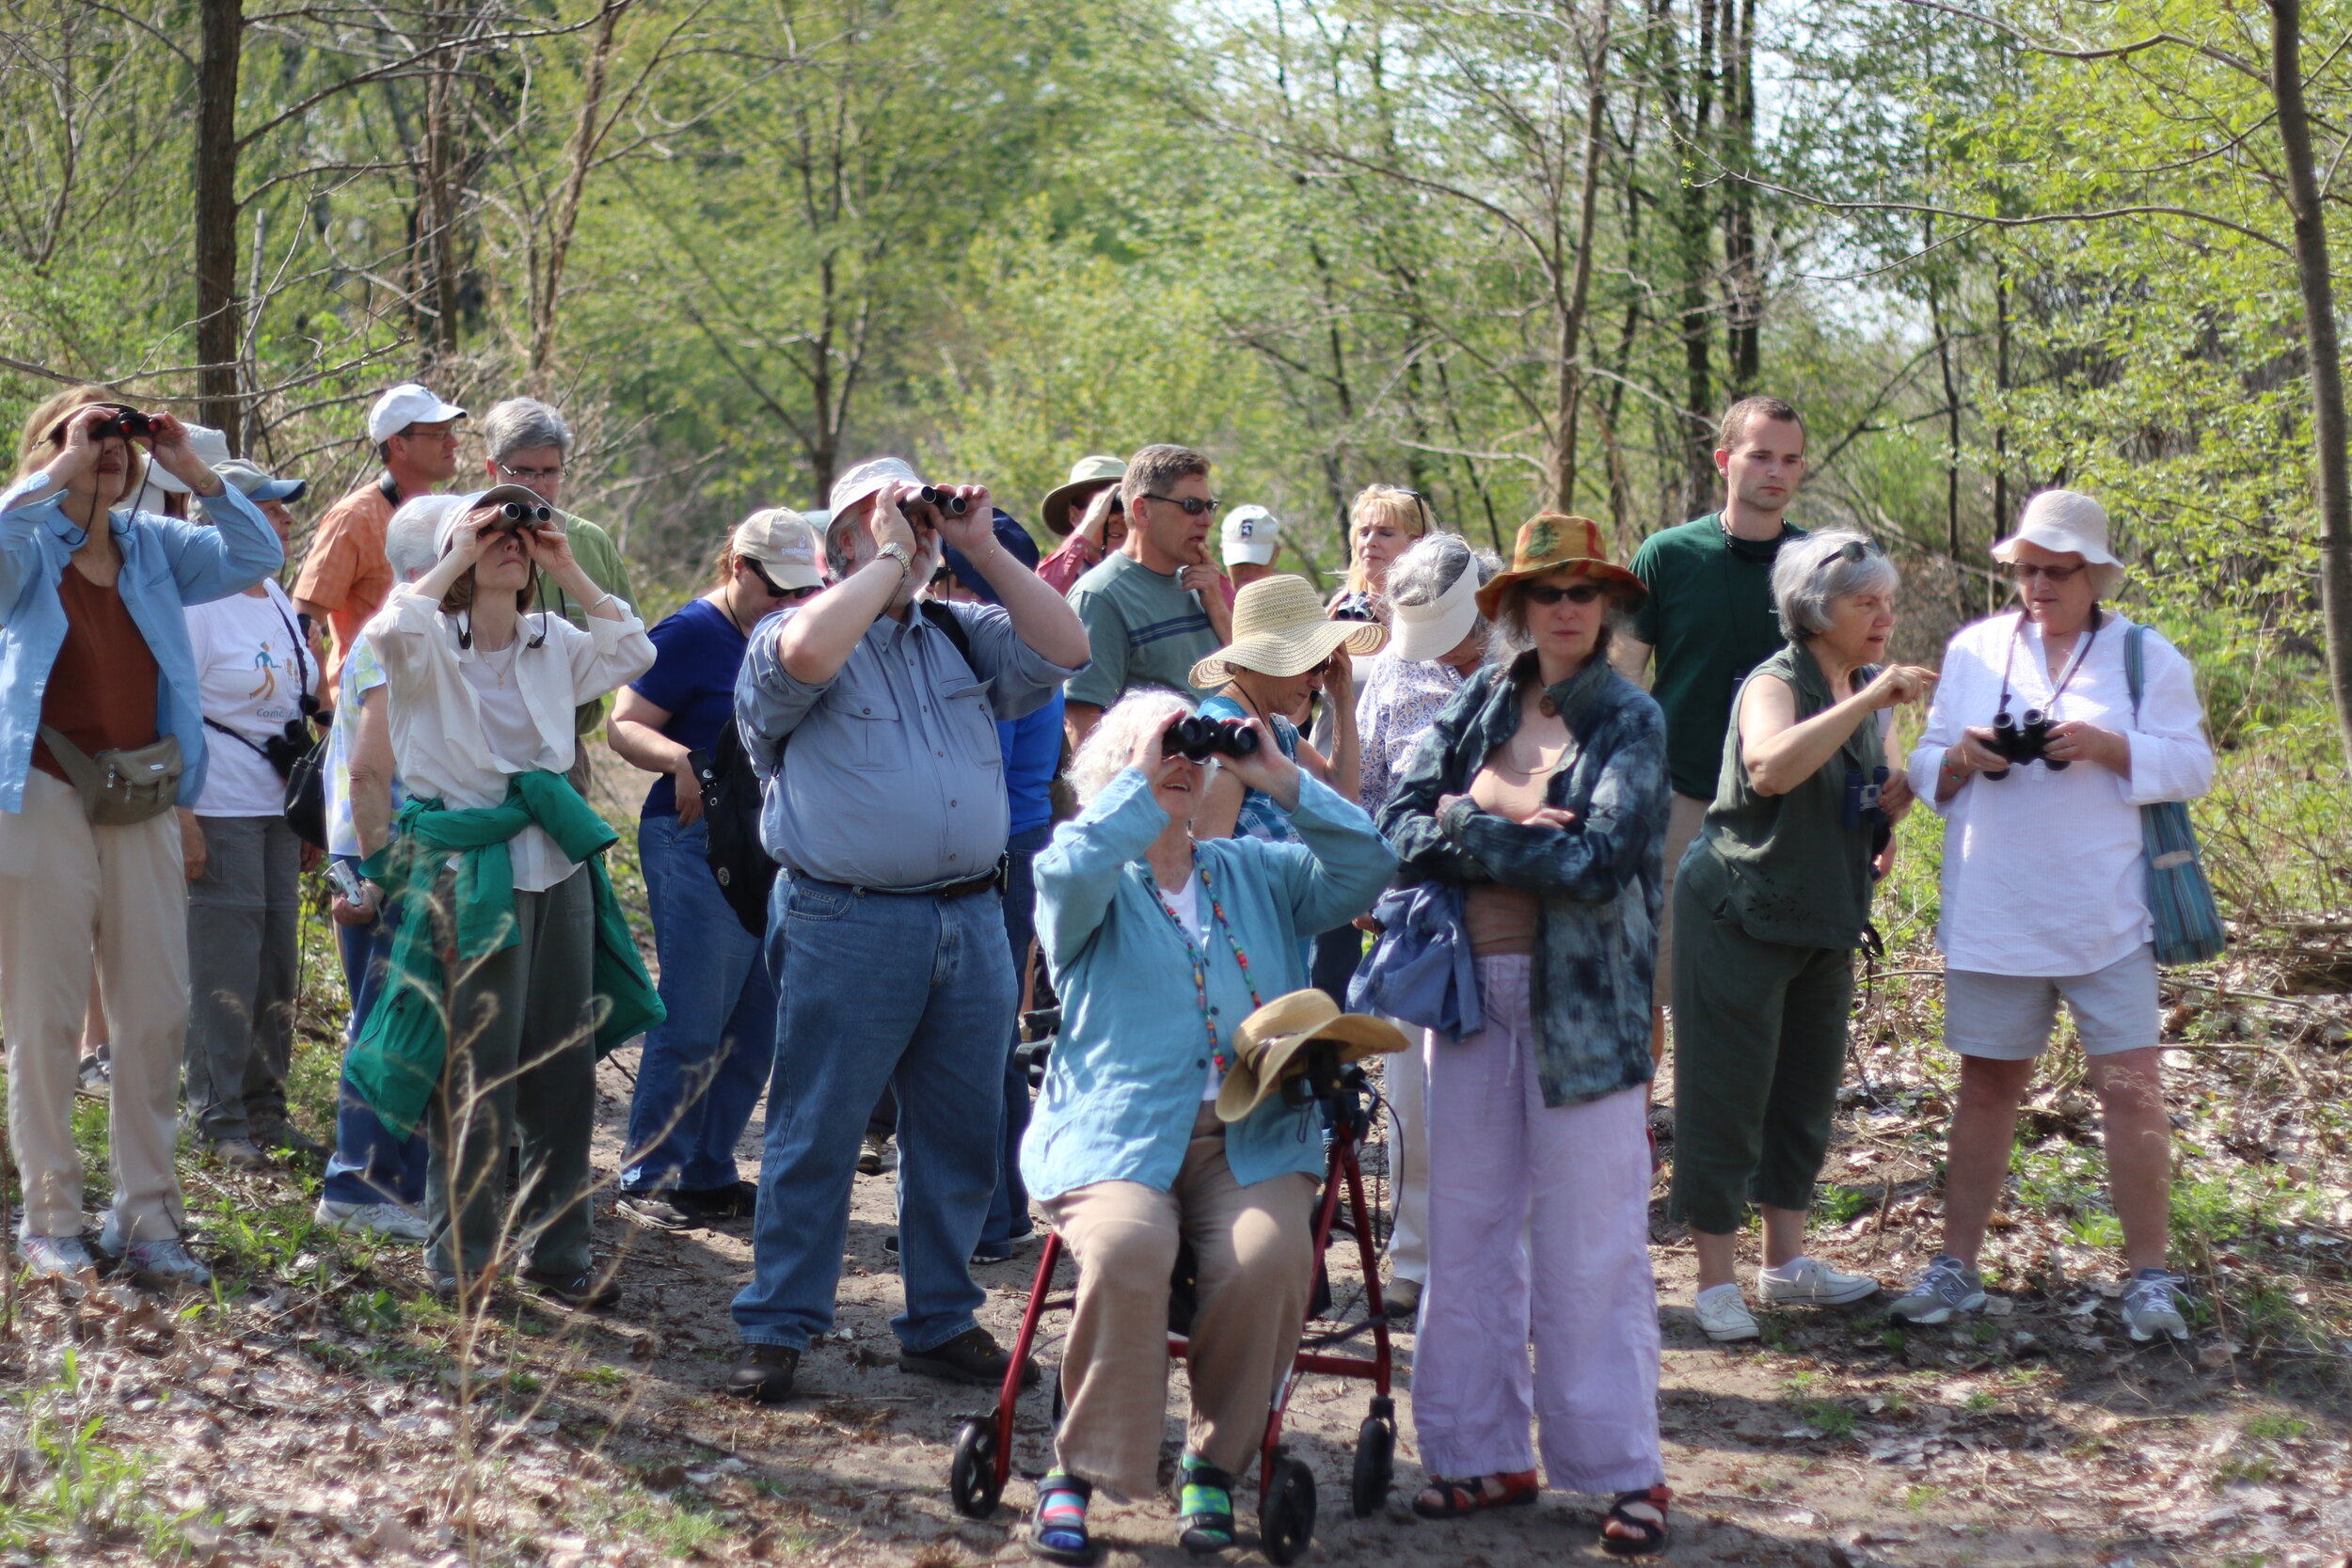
<point x="898" y="553"/>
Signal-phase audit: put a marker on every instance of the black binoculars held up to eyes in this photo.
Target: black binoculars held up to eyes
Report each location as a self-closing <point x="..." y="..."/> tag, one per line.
<point x="2024" y="742"/>
<point x="125" y="423"/>
<point x="931" y="495"/>
<point x="515" y="514"/>
<point x="1202" y="739"/>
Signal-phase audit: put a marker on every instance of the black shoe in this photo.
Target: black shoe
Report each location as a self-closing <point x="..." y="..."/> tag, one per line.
<point x="737" y="1201"/>
<point x="869" y="1159"/>
<point x="972" y="1357"/>
<point x="584" y="1292"/>
<point x="285" y="1138"/>
<point x="662" y="1208"/>
<point x="764" y="1375"/>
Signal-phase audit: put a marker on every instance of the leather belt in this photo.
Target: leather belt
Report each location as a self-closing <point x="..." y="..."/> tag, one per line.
<point x="990" y="881"/>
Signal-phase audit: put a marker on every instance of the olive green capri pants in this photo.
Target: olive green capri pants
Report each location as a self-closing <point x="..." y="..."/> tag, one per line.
<point x="1759" y="1050"/>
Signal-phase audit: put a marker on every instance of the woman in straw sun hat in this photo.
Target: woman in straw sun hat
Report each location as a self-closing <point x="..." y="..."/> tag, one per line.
<point x="1283" y="650"/>
<point x="1162" y="943"/>
<point x="2045" y="890"/>
<point x="1542" y="788"/>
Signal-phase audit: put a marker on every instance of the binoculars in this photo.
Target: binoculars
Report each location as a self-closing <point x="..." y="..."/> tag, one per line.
<point x="1201" y="738"/>
<point x="932" y="496"/>
<point x="515" y="514"/>
<point x="124" y="424"/>
<point x="2024" y="742"/>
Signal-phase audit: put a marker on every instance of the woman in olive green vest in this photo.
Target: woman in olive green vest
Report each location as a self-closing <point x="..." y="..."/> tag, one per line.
<point x="1773" y="895"/>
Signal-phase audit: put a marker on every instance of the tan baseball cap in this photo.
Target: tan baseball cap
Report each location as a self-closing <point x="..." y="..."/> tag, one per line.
<point x="784" y="545"/>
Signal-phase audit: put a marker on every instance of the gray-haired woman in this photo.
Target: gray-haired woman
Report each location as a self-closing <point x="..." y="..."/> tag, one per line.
<point x="1769" y="904"/>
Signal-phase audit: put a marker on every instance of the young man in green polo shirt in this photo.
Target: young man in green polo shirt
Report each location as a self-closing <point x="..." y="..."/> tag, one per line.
<point x="1709" y="618"/>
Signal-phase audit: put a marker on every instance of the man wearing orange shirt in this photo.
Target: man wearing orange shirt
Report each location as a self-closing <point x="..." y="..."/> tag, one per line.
<point x="345" y="578"/>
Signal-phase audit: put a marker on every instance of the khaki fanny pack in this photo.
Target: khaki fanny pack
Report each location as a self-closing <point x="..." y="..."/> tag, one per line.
<point x="120" y="787"/>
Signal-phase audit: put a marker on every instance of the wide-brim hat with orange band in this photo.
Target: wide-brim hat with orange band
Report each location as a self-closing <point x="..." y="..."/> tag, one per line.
<point x="1555" y="541"/>
<point x="1271" y="1039"/>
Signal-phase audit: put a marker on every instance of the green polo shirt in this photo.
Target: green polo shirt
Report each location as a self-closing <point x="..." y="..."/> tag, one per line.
<point x="1709" y="619"/>
<point x="601" y="560"/>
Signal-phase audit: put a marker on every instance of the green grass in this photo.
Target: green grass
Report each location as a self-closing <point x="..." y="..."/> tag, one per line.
<point x="67" y="1478"/>
<point x="1837" y="1205"/>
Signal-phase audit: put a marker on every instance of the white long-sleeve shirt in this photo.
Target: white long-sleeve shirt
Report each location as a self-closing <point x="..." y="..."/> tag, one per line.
<point x="2042" y="871"/>
<point x="448" y="747"/>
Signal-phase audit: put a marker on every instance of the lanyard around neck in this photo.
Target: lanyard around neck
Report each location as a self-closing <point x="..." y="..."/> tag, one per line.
<point x="1201" y="961"/>
<point x="2073" y="662"/>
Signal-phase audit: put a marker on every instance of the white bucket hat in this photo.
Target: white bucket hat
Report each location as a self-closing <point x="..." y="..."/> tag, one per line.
<point x="868" y="478"/>
<point x="2067" y="522"/>
<point x="1421" y="632"/>
<point x="1279" y="629"/>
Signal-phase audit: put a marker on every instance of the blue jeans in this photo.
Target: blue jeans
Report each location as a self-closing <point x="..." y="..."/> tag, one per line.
<point x="876" y="988"/>
<point x="371" y="1164"/>
<point x="1008" y="1210"/>
<point x="701" y="1068"/>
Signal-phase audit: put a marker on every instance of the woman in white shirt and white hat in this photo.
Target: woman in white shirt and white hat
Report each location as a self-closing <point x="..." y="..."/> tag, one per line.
<point x="2043" y="886"/>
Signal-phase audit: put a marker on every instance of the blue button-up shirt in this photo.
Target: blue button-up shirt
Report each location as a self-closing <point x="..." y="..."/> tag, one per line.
<point x="892" y="777"/>
<point x="1123" y="1083"/>
<point x="167" y="565"/>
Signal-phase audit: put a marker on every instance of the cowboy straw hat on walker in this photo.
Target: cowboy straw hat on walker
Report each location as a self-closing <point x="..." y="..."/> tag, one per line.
<point x="1270" y="1038"/>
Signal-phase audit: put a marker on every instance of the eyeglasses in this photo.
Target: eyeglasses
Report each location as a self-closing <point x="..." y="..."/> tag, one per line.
<point x="1191" y="506"/>
<point x="524" y="476"/>
<point x="1576" y="593"/>
<point x="2022" y="572"/>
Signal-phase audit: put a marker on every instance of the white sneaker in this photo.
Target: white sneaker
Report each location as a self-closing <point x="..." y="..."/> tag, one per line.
<point x="388" y="1221"/>
<point x="58" y="1257"/>
<point x="1723" y="1315"/>
<point x="1809" y="1282"/>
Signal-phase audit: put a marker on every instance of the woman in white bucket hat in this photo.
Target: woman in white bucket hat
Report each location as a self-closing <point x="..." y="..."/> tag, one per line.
<point x="1282" y="649"/>
<point x="2043" y="894"/>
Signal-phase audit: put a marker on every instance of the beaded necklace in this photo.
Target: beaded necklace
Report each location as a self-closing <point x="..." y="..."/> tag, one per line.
<point x="1201" y="962"/>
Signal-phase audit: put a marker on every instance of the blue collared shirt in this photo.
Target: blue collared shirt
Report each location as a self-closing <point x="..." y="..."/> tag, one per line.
<point x="1123" y="1083"/>
<point x="893" y="776"/>
<point x="167" y="565"/>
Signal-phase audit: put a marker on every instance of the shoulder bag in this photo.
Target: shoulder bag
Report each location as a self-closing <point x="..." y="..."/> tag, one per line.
<point x="2180" y="899"/>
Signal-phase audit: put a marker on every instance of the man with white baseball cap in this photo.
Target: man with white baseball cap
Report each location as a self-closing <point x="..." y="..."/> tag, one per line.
<point x="887" y="926"/>
<point x="346" y="578"/>
<point x="1252" y="535"/>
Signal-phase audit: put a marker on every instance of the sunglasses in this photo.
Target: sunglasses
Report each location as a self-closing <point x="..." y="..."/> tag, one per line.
<point x="792" y="595"/>
<point x="1191" y="506"/>
<point x="1576" y="593"/>
<point x="2023" y="572"/>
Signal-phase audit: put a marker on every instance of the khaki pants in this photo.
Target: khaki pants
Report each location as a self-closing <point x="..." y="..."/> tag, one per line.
<point x="1684" y="818"/>
<point x="1254" y="1245"/>
<point x="72" y="895"/>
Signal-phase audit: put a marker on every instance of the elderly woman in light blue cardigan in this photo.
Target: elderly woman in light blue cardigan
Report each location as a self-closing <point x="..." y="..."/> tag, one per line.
<point x="1160" y="948"/>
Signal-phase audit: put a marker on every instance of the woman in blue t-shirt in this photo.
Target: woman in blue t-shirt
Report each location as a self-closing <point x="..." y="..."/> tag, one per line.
<point x="703" y="1067"/>
<point x="1281" y="651"/>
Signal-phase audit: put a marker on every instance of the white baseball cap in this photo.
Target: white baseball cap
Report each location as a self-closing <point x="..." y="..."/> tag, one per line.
<point x="211" y="447"/>
<point x="783" y="543"/>
<point x="404" y="405"/>
<point x="866" y="478"/>
<point x="1252" y="534"/>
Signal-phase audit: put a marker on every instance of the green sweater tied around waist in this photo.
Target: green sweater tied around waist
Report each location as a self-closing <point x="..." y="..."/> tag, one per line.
<point x="396" y="1063"/>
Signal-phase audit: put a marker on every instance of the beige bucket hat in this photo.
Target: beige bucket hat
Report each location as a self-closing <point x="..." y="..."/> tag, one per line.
<point x="1087" y="475"/>
<point x="1279" y="629"/>
<point x="2067" y="522"/>
<point x="1270" y="1038"/>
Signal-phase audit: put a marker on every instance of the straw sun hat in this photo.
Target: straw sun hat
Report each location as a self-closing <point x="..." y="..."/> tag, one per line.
<point x="1549" y="542"/>
<point x="1269" y="1038"/>
<point x="1279" y="629"/>
<point x="2067" y="522"/>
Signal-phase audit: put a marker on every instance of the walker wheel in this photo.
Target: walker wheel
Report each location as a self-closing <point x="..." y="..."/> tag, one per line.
<point x="972" y="1479"/>
<point x="1286" y="1514"/>
<point x="1375" y="1467"/>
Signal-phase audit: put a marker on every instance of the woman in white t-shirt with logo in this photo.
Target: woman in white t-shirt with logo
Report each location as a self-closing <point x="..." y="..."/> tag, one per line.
<point x="2044" y="886"/>
<point x="259" y="685"/>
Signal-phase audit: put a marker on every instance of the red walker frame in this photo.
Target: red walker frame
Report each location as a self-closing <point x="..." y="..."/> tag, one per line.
<point x="1286" y="1513"/>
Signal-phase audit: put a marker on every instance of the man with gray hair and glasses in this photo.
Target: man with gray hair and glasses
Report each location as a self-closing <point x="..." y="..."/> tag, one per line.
<point x="529" y="444"/>
<point x="886" y="931"/>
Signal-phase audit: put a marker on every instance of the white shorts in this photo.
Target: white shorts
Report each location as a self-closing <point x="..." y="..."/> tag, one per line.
<point x="2009" y="1016"/>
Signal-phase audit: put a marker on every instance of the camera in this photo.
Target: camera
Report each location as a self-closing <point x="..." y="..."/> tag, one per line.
<point x="932" y="496"/>
<point x="1862" y="796"/>
<point x="2024" y="742"/>
<point x="1202" y="739"/>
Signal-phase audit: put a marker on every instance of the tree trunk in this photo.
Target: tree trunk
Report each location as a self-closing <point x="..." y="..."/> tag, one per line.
<point x="436" y="243"/>
<point x="1951" y="408"/>
<point x="1741" y="268"/>
<point x="547" y="291"/>
<point x="2000" y="384"/>
<point x="219" y="323"/>
<point x="1571" y="392"/>
<point x="2327" y="367"/>
<point x="1692" y="125"/>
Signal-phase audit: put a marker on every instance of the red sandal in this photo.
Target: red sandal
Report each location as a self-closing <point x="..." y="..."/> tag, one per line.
<point x="1652" y="1532"/>
<point x="1455" y="1500"/>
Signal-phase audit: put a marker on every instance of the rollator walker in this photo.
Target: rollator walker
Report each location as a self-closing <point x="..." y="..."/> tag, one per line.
<point x="1286" y="1488"/>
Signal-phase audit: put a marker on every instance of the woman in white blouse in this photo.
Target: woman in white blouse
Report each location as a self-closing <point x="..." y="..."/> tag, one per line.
<point x="480" y="695"/>
<point x="2043" y="892"/>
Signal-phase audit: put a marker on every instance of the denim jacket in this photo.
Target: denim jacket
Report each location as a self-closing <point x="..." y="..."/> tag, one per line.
<point x="1598" y="881"/>
<point x="167" y="565"/>
<point x="1125" y="1081"/>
